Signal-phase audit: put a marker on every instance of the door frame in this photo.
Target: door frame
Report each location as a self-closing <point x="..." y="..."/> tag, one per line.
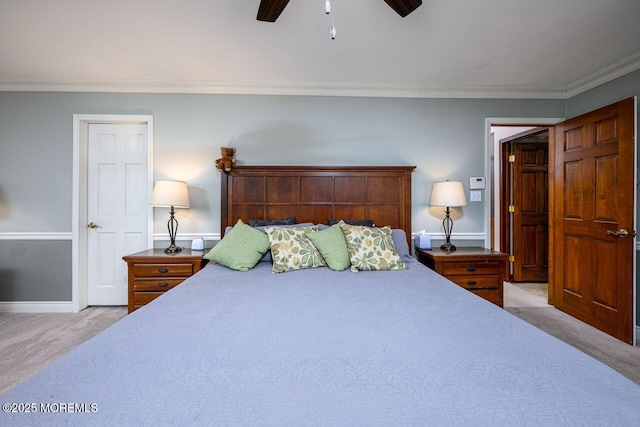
<point x="492" y="162"/>
<point x="79" y="251"/>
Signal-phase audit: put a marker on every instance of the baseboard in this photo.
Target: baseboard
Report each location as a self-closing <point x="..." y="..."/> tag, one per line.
<point x="36" y="307"/>
<point x="637" y="343"/>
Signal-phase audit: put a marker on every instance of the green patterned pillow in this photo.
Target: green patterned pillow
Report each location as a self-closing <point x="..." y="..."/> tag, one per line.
<point x="292" y="250"/>
<point x="241" y="248"/>
<point x="332" y="246"/>
<point x="371" y="248"/>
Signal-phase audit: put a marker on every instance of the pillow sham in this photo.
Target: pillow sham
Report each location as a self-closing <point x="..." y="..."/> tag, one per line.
<point x="264" y="222"/>
<point x="292" y="250"/>
<point x="365" y="222"/>
<point x="332" y="245"/>
<point x="241" y="248"/>
<point x="371" y="248"/>
<point x="402" y="247"/>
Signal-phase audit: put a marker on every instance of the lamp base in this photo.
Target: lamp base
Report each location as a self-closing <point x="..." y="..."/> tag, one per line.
<point x="173" y="249"/>
<point x="448" y="247"/>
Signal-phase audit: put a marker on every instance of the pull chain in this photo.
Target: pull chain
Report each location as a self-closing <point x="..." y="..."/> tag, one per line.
<point x="332" y="29"/>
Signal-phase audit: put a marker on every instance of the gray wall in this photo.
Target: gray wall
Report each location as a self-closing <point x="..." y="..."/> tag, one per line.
<point x="444" y="138"/>
<point x="35" y="270"/>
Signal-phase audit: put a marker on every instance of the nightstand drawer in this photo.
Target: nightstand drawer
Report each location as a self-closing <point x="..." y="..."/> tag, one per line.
<point x="163" y="270"/>
<point x="491" y="295"/>
<point x="478" y="270"/>
<point x="476" y="282"/>
<point x="153" y="272"/>
<point x="160" y="285"/>
<point x="142" y="298"/>
<point x="471" y="267"/>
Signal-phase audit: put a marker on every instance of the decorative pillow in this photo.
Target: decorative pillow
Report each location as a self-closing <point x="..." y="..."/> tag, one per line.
<point x="371" y="248"/>
<point x="332" y="245"/>
<point x="267" y="256"/>
<point x="365" y="222"/>
<point x="292" y="250"/>
<point x="264" y="222"/>
<point x="302" y="224"/>
<point x="241" y="248"/>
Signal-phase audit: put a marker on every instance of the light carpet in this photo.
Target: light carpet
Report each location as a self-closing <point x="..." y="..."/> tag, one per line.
<point x="31" y="341"/>
<point x="528" y="301"/>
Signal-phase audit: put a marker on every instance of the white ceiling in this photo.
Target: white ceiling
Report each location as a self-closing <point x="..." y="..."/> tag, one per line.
<point x="459" y="48"/>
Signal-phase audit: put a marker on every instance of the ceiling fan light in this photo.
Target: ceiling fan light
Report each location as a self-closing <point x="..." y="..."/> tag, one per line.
<point x="332" y="32"/>
<point x="327" y="6"/>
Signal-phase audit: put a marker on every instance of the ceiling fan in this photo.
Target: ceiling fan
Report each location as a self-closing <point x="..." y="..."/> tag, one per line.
<point x="270" y="10"/>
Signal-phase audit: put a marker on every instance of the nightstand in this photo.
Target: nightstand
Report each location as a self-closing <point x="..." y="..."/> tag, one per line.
<point x="153" y="272"/>
<point x="479" y="270"/>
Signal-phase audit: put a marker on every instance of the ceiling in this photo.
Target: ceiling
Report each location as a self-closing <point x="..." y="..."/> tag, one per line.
<point x="445" y="48"/>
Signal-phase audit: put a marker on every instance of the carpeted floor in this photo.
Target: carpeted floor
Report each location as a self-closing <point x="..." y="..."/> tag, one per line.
<point x="29" y="342"/>
<point x="528" y="301"/>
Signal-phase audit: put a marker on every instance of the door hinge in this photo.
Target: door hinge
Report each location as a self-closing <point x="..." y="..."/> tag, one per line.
<point x="512" y="208"/>
<point x="512" y="258"/>
<point x="512" y="158"/>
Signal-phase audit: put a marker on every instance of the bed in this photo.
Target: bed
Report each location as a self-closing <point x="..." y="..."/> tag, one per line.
<point x="315" y="346"/>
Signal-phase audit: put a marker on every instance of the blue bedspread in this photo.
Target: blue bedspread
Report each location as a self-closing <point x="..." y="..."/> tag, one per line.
<point x="318" y="347"/>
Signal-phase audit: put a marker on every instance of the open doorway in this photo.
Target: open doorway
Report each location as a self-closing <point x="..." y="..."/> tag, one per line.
<point x="592" y="156"/>
<point x="522" y="233"/>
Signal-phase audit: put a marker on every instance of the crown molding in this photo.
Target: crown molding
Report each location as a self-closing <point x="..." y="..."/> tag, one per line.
<point x="607" y="74"/>
<point x="619" y="69"/>
<point x="292" y="89"/>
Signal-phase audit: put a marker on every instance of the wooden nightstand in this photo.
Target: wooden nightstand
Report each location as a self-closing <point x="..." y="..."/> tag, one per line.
<point x="152" y="272"/>
<point x="480" y="270"/>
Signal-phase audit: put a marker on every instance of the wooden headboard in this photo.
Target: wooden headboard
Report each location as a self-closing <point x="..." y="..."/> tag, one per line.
<point x="316" y="193"/>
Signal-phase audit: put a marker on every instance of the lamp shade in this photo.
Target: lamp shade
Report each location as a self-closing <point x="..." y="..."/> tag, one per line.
<point x="170" y="193"/>
<point x="448" y="194"/>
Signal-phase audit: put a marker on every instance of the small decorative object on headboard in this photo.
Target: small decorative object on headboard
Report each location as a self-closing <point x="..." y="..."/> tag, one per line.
<point x="226" y="162"/>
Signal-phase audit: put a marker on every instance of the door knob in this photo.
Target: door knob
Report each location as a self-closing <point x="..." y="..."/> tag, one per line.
<point x="620" y="233"/>
<point x="93" y="225"/>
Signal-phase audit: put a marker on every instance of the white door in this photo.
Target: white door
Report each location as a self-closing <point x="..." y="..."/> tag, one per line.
<point x="117" y="207"/>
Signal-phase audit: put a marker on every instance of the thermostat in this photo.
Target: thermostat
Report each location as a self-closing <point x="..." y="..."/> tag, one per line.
<point x="477" y="183"/>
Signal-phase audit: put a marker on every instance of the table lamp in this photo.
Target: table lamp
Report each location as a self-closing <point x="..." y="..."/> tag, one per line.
<point x="173" y="194"/>
<point x="448" y="194"/>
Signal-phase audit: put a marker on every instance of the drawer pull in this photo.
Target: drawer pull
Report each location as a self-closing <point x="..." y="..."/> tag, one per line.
<point x="163" y="284"/>
<point x="163" y="270"/>
<point x="471" y="282"/>
<point x="471" y="269"/>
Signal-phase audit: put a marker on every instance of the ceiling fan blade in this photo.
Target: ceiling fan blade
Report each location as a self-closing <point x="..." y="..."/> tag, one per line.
<point x="270" y="10"/>
<point x="404" y="7"/>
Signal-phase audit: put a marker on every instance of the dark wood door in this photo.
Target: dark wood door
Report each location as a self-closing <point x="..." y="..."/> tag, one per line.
<point x="524" y="202"/>
<point x="530" y="210"/>
<point x="593" y="199"/>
